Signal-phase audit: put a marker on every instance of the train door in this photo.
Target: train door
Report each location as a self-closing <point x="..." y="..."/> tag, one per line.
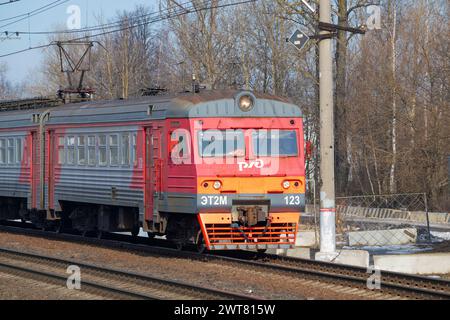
<point x="153" y="172"/>
<point x="50" y="177"/>
<point x="35" y="170"/>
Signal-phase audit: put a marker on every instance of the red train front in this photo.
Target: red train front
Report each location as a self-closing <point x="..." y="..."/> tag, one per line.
<point x="246" y="154"/>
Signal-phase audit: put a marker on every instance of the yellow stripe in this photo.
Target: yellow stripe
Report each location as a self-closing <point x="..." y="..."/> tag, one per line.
<point x="251" y="185"/>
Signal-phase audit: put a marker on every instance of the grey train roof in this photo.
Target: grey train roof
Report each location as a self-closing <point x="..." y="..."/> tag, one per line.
<point x="207" y="104"/>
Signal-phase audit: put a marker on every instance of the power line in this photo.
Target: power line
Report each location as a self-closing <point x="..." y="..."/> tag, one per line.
<point x="35" y="12"/>
<point x="170" y="15"/>
<point x="100" y="26"/>
<point x="9" y="2"/>
<point x="24" y="50"/>
<point x="156" y="19"/>
<point x="25" y="14"/>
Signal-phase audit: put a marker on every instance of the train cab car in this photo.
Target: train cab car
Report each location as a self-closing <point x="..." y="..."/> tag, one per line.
<point x="247" y="157"/>
<point x="223" y="170"/>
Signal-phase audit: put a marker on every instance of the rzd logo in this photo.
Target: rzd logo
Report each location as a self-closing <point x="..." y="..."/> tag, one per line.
<point x="258" y="164"/>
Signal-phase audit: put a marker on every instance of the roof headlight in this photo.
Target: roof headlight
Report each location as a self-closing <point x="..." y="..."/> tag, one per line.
<point x="246" y="103"/>
<point x="286" y="184"/>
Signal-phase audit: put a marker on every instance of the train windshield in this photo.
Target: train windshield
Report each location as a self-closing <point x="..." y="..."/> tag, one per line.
<point x="221" y="143"/>
<point x="275" y="143"/>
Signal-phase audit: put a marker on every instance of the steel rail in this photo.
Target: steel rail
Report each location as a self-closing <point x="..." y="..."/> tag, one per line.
<point x="402" y="285"/>
<point x="413" y="282"/>
<point x="88" y="286"/>
<point x="144" y="283"/>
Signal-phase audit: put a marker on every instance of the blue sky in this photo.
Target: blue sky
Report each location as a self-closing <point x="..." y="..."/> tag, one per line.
<point x="21" y="65"/>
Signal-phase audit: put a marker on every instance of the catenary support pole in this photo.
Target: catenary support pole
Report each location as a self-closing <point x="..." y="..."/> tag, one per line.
<point x="327" y="190"/>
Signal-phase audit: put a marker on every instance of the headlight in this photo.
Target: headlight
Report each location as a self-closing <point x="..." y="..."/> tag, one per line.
<point x="217" y="185"/>
<point x="286" y="184"/>
<point x="246" y="103"/>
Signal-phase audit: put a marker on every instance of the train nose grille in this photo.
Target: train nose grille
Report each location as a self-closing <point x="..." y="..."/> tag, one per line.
<point x="274" y="236"/>
<point x="223" y="232"/>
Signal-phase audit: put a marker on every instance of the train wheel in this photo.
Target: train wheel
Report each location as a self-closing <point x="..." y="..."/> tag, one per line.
<point x="179" y="246"/>
<point x="59" y="228"/>
<point x="135" y="232"/>
<point x="100" y="234"/>
<point x="201" y="246"/>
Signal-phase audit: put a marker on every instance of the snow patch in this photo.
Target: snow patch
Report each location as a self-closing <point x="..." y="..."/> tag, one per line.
<point x="397" y="249"/>
<point x="441" y="235"/>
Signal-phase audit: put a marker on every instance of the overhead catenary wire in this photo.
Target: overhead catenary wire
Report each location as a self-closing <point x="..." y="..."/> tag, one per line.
<point x="34" y="12"/>
<point x="105" y="25"/>
<point x="96" y="28"/>
<point x="170" y="15"/>
<point x="8" y="2"/>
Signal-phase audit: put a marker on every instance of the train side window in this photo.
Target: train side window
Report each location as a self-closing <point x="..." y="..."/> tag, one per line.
<point x="126" y="149"/>
<point x="114" y="150"/>
<point x="25" y="151"/>
<point x="71" y="150"/>
<point x="81" y="150"/>
<point x="61" y="151"/>
<point x="19" y="153"/>
<point x="135" y="157"/>
<point x="91" y="151"/>
<point x="102" y="150"/>
<point x="2" y="151"/>
<point x="11" y="151"/>
<point x="179" y="149"/>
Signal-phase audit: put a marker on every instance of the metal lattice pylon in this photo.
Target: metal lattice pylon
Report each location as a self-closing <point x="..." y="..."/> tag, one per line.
<point x="77" y="59"/>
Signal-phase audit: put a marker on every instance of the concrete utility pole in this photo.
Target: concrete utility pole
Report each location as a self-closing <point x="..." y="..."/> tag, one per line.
<point x="327" y="190"/>
<point x="328" y="31"/>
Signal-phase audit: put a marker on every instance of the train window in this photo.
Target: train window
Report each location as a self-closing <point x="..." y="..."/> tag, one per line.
<point x="217" y="143"/>
<point x="114" y="150"/>
<point x="91" y="151"/>
<point x="102" y="150"/>
<point x="11" y="151"/>
<point x="179" y="148"/>
<point x="134" y="143"/>
<point x="126" y="149"/>
<point x="19" y="150"/>
<point x="181" y="142"/>
<point x="61" y="151"/>
<point x="102" y="140"/>
<point x="2" y="151"/>
<point x="71" y="150"/>
<point x="275" y="143"/>
<point x="81" y="150"/>
<point x="25" y="151"/>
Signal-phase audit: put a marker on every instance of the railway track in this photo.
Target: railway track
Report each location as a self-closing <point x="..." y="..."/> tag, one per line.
<point x="106" y="282"/>
<point x="393" y="285"/>
<point x="339" y="278"/>
<point x="410" y="285"/>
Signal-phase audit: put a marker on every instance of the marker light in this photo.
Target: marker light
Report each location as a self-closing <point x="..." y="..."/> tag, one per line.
<point x="217" y="185"/>
<point x="286" y="184"/>
<point x="246" y="103"/>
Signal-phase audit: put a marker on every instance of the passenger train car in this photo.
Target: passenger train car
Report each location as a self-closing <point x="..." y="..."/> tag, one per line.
<point x="223" y="170"/>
